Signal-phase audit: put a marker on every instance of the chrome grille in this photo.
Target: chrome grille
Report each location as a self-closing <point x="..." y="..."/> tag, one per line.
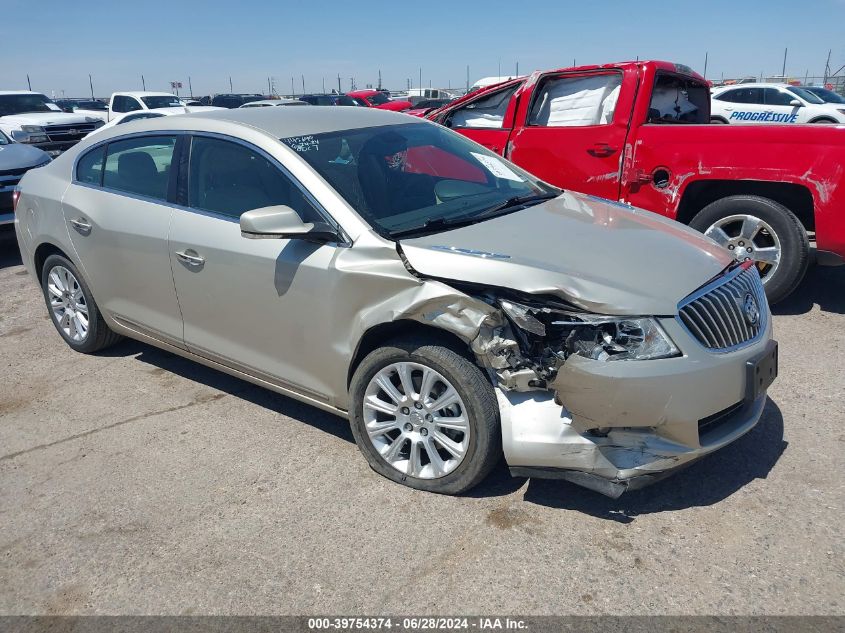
<point x="70" y="132"/>
<point x="716" y="314"/>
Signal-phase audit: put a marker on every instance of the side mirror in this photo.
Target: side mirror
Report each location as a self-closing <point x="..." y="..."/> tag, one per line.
<point x="282" y="222"/>
<point x="795" y="103"/>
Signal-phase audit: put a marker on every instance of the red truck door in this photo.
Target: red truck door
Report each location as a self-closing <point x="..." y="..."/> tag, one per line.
<point x="669" y="128"/>
<point x="488" y="119"/>
<point x="570" y="130"/>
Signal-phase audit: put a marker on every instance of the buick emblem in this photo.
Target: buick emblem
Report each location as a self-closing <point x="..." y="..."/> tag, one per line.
<point x="750" y="309"/>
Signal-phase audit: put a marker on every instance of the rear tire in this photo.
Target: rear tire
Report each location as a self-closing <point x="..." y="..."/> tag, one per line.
<point x="389" y="453"/>
<point x="823" y="120"/>
<point x="72" y="308"/>
<point x="777" y="228"/>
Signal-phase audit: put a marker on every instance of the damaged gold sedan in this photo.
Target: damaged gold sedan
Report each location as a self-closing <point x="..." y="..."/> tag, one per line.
<point x="452" y="306"/>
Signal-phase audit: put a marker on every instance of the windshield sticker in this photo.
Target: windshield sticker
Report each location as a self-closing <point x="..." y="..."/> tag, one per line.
<point x="303" y="143"/>
<point x="497" y="167"/>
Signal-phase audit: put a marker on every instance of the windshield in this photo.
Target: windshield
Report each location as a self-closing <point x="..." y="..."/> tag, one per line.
<point x="154" y="103"/>
<point x="22" y="103"/>
<point x="92" y="105"/>
<point x="828" y="96"/>
<point x="808" y="96"/>
<point x="379" y="98"/>
<point x="417" y="176"/>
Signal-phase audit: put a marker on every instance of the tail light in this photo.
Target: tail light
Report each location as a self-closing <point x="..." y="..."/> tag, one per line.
<point x="16" y="194"/>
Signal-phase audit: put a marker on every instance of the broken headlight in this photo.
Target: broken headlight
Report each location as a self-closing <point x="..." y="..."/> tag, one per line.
<point x="614" y="338"/>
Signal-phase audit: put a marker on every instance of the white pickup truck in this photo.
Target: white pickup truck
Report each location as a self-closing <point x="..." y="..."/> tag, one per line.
<point x="31" y="118"/>
<point x="123" y="102"/>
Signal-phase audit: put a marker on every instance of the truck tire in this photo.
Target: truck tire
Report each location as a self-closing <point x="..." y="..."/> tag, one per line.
<point x="764" y="231"/>
<point x="402" y="433"/>
<point x="72" y="308"/>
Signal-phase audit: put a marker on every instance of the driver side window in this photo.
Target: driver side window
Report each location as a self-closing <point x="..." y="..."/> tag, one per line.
<point x="229" y="179"/>
<point x="486" y="112"/>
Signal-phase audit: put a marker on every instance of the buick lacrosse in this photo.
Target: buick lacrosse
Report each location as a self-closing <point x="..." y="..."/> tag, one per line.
<point x="452" y="306"/>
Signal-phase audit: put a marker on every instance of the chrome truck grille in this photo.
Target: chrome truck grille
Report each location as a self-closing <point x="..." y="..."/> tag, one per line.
<point x="72" y="132"/>
<point x="727" y="313"/>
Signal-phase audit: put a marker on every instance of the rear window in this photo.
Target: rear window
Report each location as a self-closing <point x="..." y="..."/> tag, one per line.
<point x="140" y="166"/>
<point x="89" y="169"/>
<point x="676" y="99"/>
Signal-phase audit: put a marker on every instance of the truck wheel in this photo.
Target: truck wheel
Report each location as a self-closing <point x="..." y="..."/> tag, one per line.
<point x="763" y="231"/>
<point x="425" y="416"/>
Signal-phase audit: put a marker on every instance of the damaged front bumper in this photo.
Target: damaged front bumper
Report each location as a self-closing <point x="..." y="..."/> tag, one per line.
<point x="620" y="425"/>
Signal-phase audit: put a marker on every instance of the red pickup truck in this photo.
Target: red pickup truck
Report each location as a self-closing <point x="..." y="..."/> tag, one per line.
<point x="640" y="133"/>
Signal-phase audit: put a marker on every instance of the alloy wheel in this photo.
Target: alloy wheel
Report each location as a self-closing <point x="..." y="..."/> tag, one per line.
<point x="68" y="304"/>
<point x="749" y="239"/>
<point x="416" y="420"/>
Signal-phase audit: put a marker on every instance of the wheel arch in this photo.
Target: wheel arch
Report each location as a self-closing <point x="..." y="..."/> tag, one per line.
<point x="42" y="252"/>
<point x="382" y="333"/>
<point x="797" y="198"/>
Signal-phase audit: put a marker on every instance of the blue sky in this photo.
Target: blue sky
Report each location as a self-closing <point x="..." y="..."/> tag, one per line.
<point x="59" y="43"/>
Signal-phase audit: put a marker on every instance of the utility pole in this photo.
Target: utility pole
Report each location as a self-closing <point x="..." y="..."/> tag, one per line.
<point x="292" y="89"/>
<point x="230" y="84"/>
<point x="783" y="72"/>
<point x="706" y="54"/>
<point x="517" y="70"/>
<point x="420" y="84"/>
<point x="324" y="85"/>
<point x="143" y="84"/>
<point x="269" y="89"/>
<point x="303" y="83"/>
<point x="827" y="66"/>
<point x="379" y="78"/>
<point x="28" y="83"/>
<point x="190" y="87"/>
<point x="339" y="89"/>
<point x="91" y="83"/>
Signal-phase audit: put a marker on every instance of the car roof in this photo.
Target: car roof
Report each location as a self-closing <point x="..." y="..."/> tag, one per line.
<point x="754" y="85"/>
<point x="141" y="93"/>
<point x="281" y="122"/>
<point x="20" y="92"/>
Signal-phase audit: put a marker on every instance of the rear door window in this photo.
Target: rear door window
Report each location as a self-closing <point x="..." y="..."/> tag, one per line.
<point x="572" y="101"/>
<point x="140" y="166"/>
<point x="89" y="169"/>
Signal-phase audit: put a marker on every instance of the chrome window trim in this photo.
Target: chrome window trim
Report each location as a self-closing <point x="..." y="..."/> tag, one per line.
<point x="346" y="240"/>
<point x="719" y="281"/>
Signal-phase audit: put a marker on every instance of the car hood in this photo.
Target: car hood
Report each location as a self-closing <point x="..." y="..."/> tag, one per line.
<point x="598" y="255"/>
<point x="395" y="106"/>
<point x="21" y="156"/>
<point x="45" y="118"/>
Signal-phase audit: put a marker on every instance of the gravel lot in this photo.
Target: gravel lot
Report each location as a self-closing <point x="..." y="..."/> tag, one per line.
<point x="137" y="482"/>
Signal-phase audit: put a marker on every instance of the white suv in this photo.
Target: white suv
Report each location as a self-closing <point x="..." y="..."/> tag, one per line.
<point x="771" y="103"/>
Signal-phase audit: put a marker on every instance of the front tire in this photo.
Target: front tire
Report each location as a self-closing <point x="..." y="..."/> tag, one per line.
<point x="72" y="307"/>
<point x="425" y="416"/>
<point x="763" y="231"/>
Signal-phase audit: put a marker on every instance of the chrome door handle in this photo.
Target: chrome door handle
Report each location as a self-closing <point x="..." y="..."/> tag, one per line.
<point x="81" y="225"/>
<point x="190" y="257"/>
